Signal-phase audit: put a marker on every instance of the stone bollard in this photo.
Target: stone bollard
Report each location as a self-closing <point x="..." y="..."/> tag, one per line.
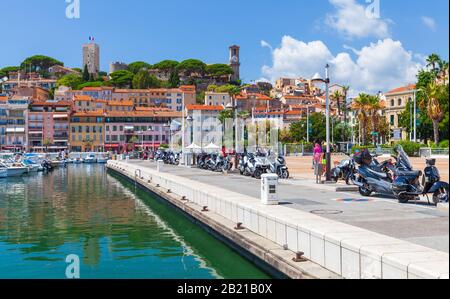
<point x="269" y="189"/>
<point x="160" y="165"/>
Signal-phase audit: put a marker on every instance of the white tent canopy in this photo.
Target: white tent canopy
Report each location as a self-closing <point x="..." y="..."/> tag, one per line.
<point x="212" y="146"/>
<point x="193" y="146"/>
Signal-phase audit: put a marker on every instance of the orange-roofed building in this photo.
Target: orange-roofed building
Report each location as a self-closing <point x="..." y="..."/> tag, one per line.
<point x="87" y="103"/>
<point x="120" y="106"/>
<point x="248" y="101"/>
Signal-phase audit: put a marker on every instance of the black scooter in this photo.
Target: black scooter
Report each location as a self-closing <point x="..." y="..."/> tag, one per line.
<point x="405" y="182"/>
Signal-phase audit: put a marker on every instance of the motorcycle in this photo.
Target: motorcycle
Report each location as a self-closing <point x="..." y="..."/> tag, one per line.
<point x="404" y="183"/>
<point x="278" y="166"/>
<point x="345" y="171"/>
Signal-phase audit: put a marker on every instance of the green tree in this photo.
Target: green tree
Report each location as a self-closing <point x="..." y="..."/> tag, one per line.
<point x="4" y="72"/>
<point x="218" y="70"/>
<point x="70" y="80"/>
<point x="433" y="62"/>
<point x="92" y="84"/>
<point x="39" y="63"/>
<point x="86" y="74"/>
<point x="224" y="115"/>
<point x="191" y="66"/>
<point x="434" y="95"/>
<point x="122" y="79"/>
<point x="137" y="66"/>
<point x="143" y="80"/>
<point x="174" y="80"/>
<point x="166" y="65"/>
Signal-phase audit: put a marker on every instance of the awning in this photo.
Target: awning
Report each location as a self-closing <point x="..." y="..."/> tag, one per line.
<point x="35" y="132"/>
<point x="112" y="145"/>
<point x="128" y="128"/>
<point x="149" y="145"/>
<point x="55" y="116"/>
<point x="15" y="130"/>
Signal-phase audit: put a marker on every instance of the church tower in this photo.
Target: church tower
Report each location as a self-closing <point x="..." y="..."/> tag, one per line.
<point x="235" y="63"/>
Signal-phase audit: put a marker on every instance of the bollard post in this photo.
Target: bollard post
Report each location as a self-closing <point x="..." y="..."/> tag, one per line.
<point x="159" y="165"/>
<point x="269" y="189"/>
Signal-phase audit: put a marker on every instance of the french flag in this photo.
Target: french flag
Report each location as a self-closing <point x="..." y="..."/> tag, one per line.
<point x="91" y="38"/>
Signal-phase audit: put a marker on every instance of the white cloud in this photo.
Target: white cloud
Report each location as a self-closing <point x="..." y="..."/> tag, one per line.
<point x="379" y="66"/>
<point x="354" y="20"/>
<point x="429" y="22"/>
<point x="265" y="44"/>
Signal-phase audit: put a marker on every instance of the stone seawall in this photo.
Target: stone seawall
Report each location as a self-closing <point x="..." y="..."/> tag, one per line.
<point x="275" y="234"/>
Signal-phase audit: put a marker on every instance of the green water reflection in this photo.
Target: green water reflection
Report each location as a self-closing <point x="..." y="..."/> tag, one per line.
<point x="118" y="231"/>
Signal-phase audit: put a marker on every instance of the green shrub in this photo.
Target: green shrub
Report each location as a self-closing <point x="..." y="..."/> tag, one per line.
<point x="411" y="148"/>
<point x="443" y="144"/>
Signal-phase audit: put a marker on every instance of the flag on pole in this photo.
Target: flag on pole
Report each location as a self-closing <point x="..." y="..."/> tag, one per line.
<point x="91" y="38"/>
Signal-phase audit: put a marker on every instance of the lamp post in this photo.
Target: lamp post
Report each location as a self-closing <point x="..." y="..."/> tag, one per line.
<point x="318" y="78"/>
<point x="190" y="120"/>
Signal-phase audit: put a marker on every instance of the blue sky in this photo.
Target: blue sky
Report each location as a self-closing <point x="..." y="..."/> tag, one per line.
<point x="178" y="29"/>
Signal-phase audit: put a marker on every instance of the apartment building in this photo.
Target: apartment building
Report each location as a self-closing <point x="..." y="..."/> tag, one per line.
<point x="148" y="129"/>
<point x="217" y="99"/>
<point x="13" y="124"/>
<point x="396" y="101"/>
<point x="48" y="126"/>
<point x="87" y="131"/>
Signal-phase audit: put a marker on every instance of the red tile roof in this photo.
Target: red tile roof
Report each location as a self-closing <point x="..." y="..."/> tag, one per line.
<point x="403" y="89"/>
<point x="204" y="108"/>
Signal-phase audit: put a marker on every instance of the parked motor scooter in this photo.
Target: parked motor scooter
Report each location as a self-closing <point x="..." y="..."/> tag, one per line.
<point x="405" y="184"/>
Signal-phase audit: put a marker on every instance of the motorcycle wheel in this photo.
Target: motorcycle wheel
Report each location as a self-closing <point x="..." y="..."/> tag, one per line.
<point x="440" y="195"/>
<point x="403" y="198"/>
<point x="285" y="175"/>
<point x="364" y="192"/>
<point x="258" y="174"/>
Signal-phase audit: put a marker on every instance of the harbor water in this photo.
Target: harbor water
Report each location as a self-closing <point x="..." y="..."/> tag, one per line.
<point x="116" y="230"/>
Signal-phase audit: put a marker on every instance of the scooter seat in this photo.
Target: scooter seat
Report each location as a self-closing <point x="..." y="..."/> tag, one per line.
<point x="381" y="175"/>
<point x="414" y="173"/>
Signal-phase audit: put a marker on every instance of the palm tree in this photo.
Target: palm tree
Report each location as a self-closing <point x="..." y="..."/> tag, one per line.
<point x="443" y="71"/>
<point x="337" y="95"/>
<point x="374" y="108"/>
<point x="433" y="61"/>
<point x="345" y="90"/>
<point x="367" y="108"/>
<point x="433" y="92"/>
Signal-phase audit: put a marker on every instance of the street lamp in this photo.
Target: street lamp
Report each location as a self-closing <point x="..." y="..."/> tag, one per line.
<point x="190" y="120"/>
<point x="318" y="78"/>
<point x="169" y="126"/>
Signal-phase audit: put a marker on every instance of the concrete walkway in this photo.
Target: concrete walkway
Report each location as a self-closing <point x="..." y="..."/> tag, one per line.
<point x="416" y="223"/>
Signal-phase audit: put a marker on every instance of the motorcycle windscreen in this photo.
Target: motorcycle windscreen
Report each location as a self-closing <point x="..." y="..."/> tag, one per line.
<point x="403" y="159"/>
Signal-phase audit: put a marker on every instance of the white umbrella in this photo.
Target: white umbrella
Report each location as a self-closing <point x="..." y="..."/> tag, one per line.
<point x="212" y="146"/>
<point x="193" y="146"/>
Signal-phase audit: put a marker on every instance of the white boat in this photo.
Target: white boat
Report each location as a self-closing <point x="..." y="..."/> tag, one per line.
<point x="103" y="160"/>
<point x="77" y="161"/>
<point x="14" y="170"/>
<point x="3" y="172"/>
<point x="90" y="159"/>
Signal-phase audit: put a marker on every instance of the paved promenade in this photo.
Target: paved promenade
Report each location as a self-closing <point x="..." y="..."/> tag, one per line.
<point x="300" y="167"/>
<point x="415" y="222"/>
